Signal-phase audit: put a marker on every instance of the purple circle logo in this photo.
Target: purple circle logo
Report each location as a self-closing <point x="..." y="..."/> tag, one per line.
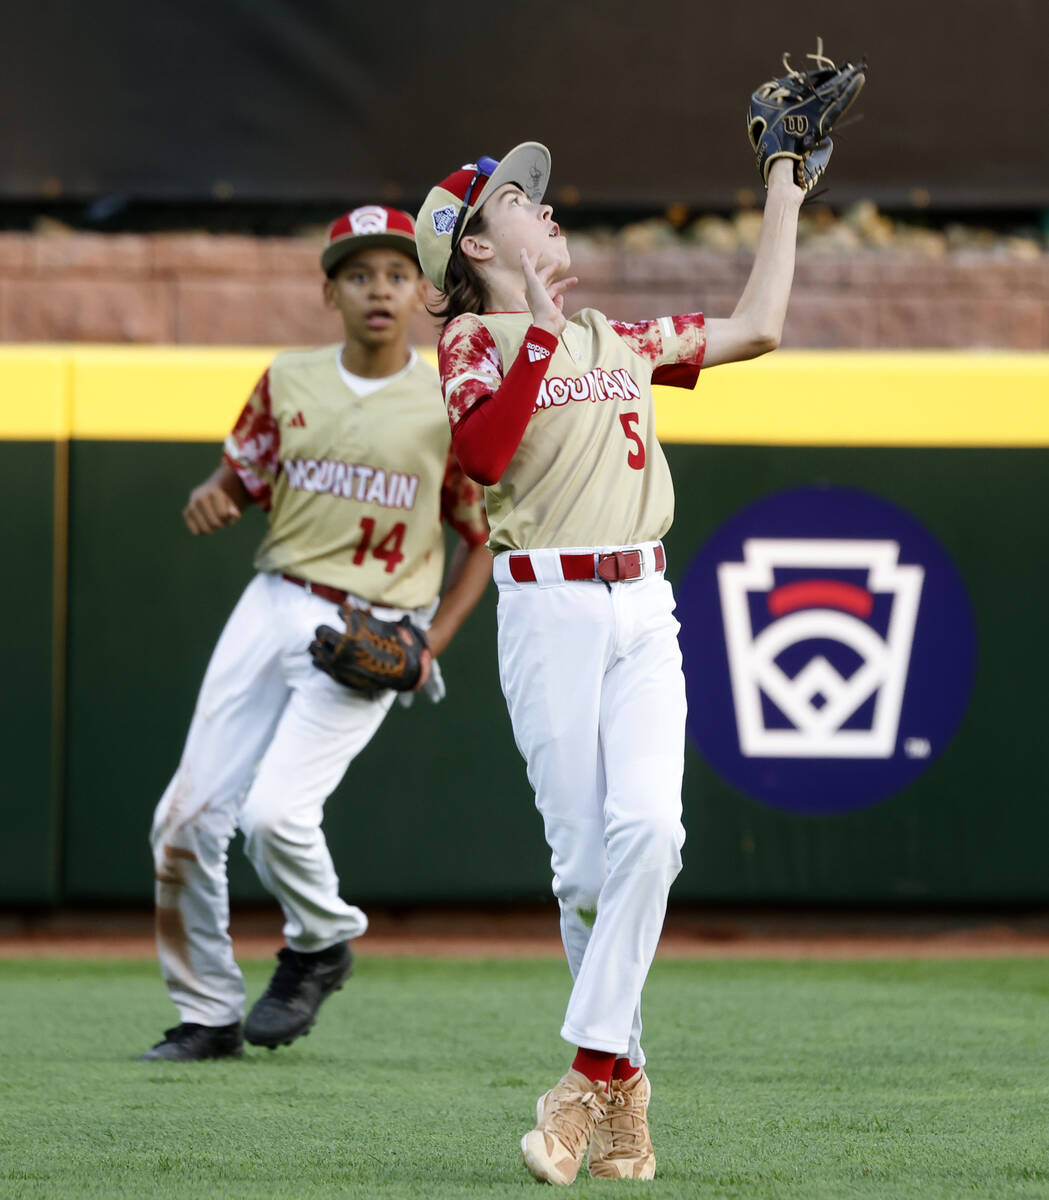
<point x="829" y="649"/>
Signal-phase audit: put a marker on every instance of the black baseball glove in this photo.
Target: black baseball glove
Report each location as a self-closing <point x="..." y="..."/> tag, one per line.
<point x="371" y="655"/>
<point x="792" y="117"/>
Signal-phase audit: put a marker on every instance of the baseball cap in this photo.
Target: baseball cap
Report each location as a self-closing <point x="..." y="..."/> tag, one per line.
<point x="363" y="228"/>
<point x="451" y="204"/>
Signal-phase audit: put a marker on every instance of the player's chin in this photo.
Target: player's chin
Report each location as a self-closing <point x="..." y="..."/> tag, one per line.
<point x="561" y="254"/>
<point x="381" y="335"/>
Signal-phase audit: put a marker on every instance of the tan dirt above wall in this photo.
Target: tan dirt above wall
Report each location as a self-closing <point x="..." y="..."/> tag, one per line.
<point x="224" y="290"/>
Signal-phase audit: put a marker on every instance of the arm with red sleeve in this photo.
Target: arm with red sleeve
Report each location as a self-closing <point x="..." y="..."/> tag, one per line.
<point x="488" y="411"/>
<point x="246" y="472"/>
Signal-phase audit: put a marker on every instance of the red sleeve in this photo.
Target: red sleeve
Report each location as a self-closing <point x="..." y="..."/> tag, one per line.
<point x="487" y="436"/>
<point x="252" y="448"/>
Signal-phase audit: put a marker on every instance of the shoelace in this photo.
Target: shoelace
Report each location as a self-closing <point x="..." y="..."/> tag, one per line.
<point x="573" y="1118"/>
<point x="625" y="1125"/>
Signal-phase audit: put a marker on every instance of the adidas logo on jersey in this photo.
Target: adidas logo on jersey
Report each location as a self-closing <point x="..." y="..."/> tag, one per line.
<point x="298" y="421"/>
<point x="536" y="353"/>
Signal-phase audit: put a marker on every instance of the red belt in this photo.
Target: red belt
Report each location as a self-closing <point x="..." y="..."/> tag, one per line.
<point x="318" y="589"/>
<point x="621" y="564"/>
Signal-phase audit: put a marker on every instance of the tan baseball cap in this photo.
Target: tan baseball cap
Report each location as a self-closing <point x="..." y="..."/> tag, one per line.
<point x="450" y="205"/>
<point x="372" y="225"/>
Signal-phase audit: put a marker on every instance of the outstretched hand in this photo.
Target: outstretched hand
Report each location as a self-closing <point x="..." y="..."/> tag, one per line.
<point x="545" y="295"/>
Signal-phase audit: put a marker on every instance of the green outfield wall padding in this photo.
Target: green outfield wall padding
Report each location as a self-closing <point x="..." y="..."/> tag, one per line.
<point x="438" y="808"/>
<point x="973" y="828"/>
<point x="29" y="846"/>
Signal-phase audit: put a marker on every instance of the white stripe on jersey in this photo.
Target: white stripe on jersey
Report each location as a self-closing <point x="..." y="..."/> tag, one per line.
<point x="666" y="326"/>
<point x="452" y="384"/>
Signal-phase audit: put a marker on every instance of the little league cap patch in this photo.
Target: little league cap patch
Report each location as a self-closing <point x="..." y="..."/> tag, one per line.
<point x="365" y="228"/>
<point x="452" y="203"/>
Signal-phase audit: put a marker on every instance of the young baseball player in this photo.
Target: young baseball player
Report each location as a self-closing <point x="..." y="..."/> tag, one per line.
<point x="347" y="449"/>
<point x="555" y="417"/>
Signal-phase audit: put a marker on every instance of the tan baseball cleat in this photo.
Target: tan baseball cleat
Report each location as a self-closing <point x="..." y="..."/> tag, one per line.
<point x="620" y="1147"/>
<point x="565" y="1120"/>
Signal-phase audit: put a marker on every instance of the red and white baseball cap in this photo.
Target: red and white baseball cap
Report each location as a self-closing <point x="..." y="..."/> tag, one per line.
<point x="363" y="228"/>
<point x="451" y="204"/>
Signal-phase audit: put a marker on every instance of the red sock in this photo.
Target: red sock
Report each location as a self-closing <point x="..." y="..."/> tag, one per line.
<point x="596" y="1065"/>
<point x="624" y="1069"/>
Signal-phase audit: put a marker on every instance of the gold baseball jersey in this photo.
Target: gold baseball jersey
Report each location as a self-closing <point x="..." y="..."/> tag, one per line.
<point x="355" y="485"/>
<point x="589" y="470"/>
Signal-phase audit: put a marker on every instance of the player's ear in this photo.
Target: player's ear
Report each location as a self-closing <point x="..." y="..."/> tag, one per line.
<point x="479" y="248"/>
<point x="329" y="293"/>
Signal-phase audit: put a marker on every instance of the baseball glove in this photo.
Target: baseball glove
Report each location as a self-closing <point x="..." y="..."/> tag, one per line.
<point x="371" y="655"/>
<point x="792" y="117"/>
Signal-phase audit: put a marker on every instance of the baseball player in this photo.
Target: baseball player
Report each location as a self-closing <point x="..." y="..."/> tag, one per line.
<point x="347" y="450"/>
<point x="555" y="417"/>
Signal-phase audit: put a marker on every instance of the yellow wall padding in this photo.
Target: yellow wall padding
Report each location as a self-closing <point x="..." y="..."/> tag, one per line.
<point x="832" y="398"/>
<point x="35" y="394"/>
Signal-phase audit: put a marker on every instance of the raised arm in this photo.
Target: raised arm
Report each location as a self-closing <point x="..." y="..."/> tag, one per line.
<point x="756" y="325"/>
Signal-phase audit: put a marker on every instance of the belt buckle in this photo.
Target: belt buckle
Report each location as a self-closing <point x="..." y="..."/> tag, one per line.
<point x="612" y="567"/>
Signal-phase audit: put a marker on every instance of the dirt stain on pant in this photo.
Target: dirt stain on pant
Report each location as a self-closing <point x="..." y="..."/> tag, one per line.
<point x="172" y="939"/>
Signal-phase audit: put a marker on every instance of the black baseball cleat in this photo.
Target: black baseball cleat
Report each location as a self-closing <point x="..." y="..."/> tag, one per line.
<point x="301" y="983"/>
<point x="189" y="1042"/>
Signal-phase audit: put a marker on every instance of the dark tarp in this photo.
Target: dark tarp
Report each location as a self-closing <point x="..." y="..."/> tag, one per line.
<point x="642" y="104"/>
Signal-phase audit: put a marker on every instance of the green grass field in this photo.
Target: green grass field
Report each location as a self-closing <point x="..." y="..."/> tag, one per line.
<point x="799" y="1080"/>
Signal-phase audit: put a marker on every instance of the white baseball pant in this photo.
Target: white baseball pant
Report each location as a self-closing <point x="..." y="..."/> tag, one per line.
<point x="592" y="677"/>
<point x="270" y="739"/>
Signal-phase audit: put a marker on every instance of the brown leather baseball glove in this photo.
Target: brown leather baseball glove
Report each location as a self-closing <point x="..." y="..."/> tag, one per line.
<point x="371" y="655"/>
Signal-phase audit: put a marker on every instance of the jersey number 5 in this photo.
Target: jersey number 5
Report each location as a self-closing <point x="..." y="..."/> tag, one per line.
<point x="389" y="548"/>
<point x="636" y="458"/>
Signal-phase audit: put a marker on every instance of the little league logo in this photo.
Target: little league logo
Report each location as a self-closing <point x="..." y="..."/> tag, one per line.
<point x="819" y="699"/>
<point x="444" y="219"/>
<point x="368" y="219"/>
<point x="829" y="647"/>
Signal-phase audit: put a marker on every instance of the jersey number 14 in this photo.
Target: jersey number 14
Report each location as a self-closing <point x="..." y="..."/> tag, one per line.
<point x="389" y="549"/>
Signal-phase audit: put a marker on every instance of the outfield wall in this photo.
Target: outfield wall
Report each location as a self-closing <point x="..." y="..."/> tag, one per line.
<point x="112" y="608"/>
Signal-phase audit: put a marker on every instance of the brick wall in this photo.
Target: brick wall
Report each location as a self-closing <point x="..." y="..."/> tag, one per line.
<point x="224" y="290"/>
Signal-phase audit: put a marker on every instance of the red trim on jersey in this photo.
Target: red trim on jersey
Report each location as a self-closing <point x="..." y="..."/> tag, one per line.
<point x="646" y="339"/>
<point x="487" y="437"/>
<point x="260" y="492"/>
<point x="680" y="375"/>
<point x="256" y="440"/>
